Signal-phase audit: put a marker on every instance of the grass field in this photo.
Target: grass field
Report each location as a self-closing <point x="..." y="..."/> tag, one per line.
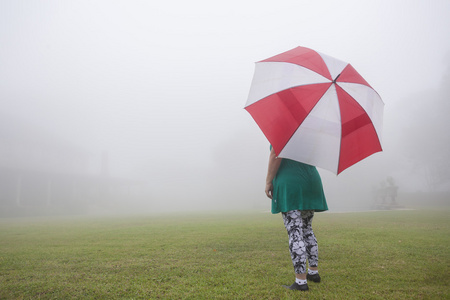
<point x="371" y="255"/>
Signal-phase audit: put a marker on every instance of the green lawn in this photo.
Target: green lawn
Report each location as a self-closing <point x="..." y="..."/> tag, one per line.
<point x="373" y="255"/>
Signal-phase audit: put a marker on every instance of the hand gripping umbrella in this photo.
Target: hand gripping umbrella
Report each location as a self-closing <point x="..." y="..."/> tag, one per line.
<point x="316" y="109"/>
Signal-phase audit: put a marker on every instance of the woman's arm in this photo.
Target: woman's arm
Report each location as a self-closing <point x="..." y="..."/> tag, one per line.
<point x="274" y="164"/>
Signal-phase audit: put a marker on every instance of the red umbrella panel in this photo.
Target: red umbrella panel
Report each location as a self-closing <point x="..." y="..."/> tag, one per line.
<point x="316" y="109"/>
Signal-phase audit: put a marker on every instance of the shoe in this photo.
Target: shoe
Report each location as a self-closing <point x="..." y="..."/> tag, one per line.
<point x="297" y="287"/>
<point x="315" y="277"/>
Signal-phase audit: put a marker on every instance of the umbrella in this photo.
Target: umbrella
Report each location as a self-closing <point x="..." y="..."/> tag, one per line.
<point x="316" y="109"/>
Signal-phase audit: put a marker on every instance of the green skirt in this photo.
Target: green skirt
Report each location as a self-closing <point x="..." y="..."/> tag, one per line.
<point x="297" y="186"/>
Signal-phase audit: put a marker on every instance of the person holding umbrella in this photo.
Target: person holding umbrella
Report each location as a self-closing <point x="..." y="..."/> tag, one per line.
<point x="315" y="111"/>
<point x="296" y="191"/>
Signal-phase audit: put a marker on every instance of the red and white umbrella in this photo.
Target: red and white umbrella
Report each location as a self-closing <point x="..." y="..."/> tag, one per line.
<point x="316" y="109"/>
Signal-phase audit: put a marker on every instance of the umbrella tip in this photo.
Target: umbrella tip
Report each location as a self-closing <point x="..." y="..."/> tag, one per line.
<point x="334" y="81"/>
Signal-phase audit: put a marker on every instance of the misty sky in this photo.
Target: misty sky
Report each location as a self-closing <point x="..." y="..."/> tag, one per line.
<point x="161" y="85"/>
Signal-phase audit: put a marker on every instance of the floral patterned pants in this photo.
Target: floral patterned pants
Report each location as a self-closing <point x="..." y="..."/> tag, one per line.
<point x="302" y="241"/>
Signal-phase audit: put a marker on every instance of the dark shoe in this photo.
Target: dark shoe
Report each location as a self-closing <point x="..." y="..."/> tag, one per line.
<point x="297" y="287"/>
<point x="315" y="277"/>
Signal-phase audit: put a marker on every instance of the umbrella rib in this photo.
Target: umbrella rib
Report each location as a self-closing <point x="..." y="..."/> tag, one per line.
<point x="291" y="87"/>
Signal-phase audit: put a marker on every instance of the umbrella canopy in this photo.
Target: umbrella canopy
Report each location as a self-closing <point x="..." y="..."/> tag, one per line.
<point x="316" y="109"/>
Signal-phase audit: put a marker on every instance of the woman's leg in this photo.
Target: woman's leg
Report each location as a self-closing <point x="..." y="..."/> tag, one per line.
<point x="293" y="223"/>
<point x="312" y="249"/>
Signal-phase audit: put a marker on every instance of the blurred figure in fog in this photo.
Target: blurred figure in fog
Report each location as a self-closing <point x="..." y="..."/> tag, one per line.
<point x="386" y="191"/>
<point x="391" y="190"/>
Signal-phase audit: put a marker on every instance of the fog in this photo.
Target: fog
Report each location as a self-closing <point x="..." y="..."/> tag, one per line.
<point x="138" y="105"/>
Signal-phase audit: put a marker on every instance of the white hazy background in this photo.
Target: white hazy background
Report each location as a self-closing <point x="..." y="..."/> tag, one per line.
<point x="161" y="85"/>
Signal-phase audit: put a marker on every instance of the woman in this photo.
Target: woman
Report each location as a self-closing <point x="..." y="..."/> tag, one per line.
<point x="296" y="191"/>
